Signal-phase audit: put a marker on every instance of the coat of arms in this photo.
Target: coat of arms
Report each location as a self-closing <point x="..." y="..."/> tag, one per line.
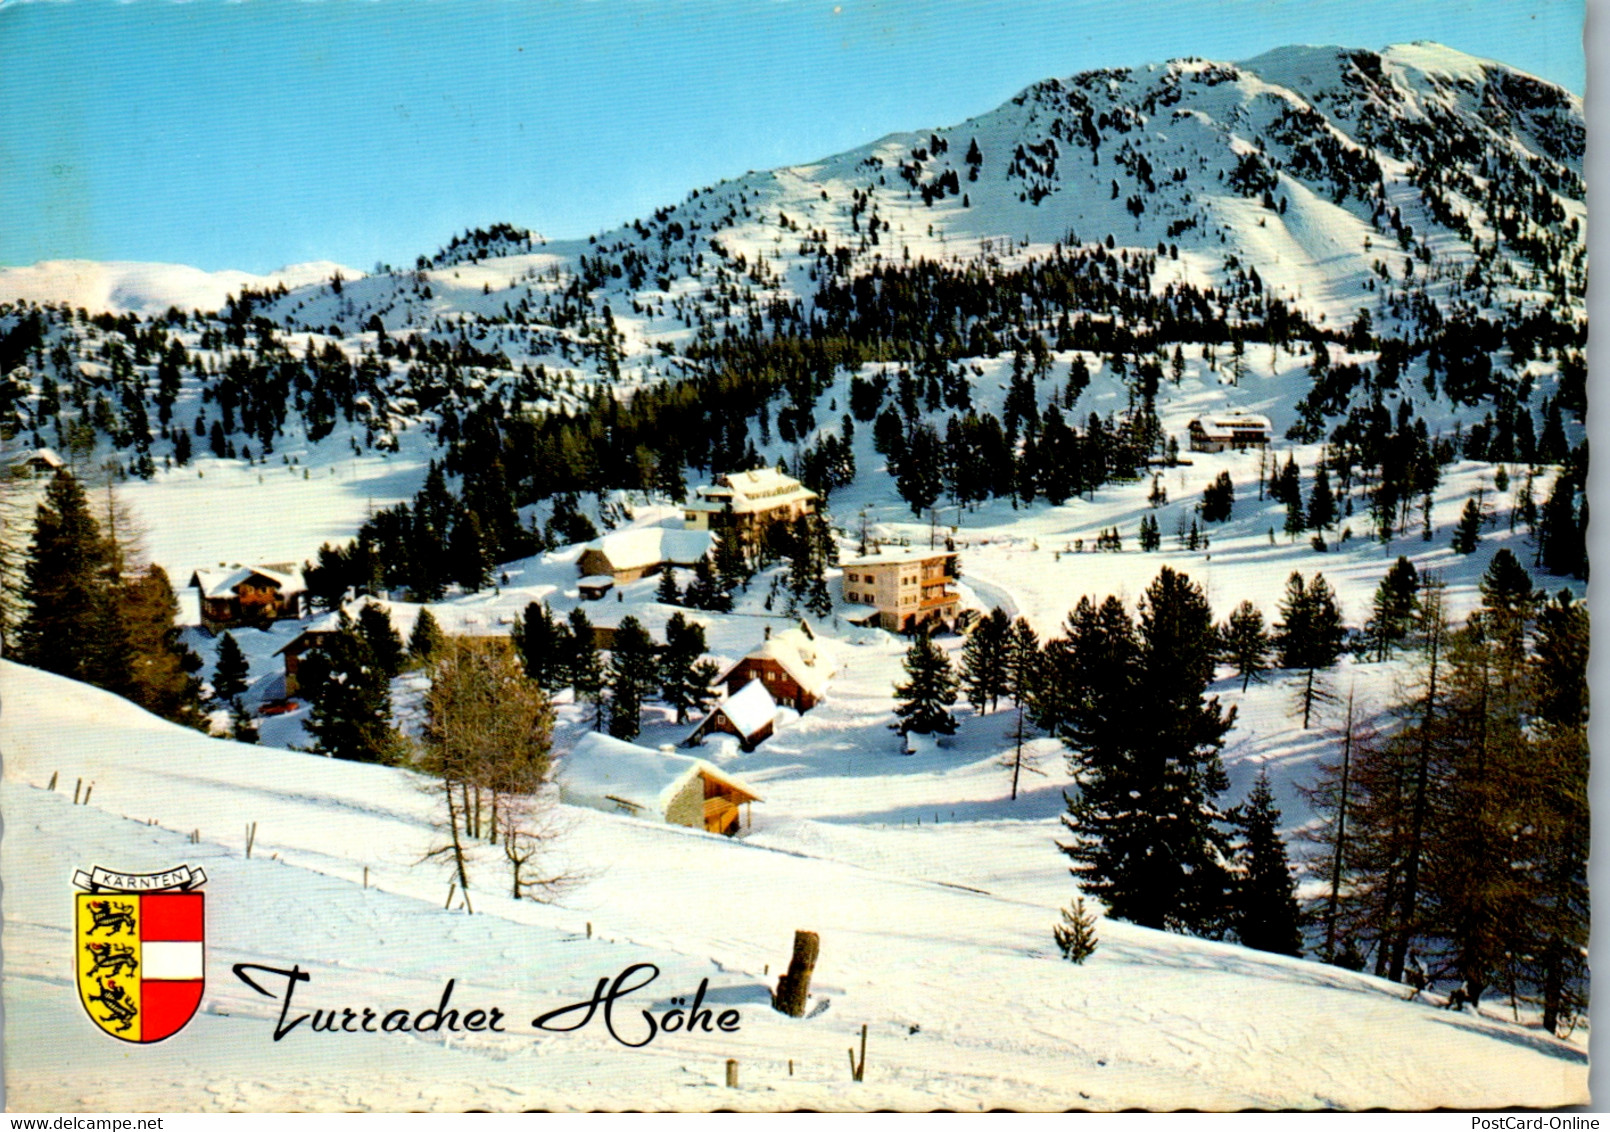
<point x="138" y="946"/>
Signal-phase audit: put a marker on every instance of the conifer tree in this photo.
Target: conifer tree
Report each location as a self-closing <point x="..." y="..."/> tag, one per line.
<point x="1468" y="531"/>
<point x="1309" y="636"/>
<point x="632" y="666"/>
<point x="160" y="668"/>
<point x="542" y="647"/>
<point x="1393" y="607"/>
<point x="929" y="692"/>
<point x="983" y="666"/>
<point x="586" y="666"/>
<point x="350" y="694"/>
<point x="68" y="585"/>
<point x="229" y="674"/>
<point x="666" y="592"/>
<point x="685" y="679"/>
<point x="1321" y="504"/>
<point x="1076" y="934"/>
<point x="1024" y="664"/>
<point x="427" y="637"/>
<point x="1218" y="499"/>
<point x="1246" y="642"/>
<point x="374" y="622"/>
<point x="1266" y="913"/>
<point x="1144" y="827"/>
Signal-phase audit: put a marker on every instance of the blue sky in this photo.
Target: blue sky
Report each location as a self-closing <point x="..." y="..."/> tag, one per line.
<point x="268" y="132"/>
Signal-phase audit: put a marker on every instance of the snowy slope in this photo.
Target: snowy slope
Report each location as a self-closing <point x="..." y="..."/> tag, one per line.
<point x="148" y="288"/>
<point x="966" y="1002"/>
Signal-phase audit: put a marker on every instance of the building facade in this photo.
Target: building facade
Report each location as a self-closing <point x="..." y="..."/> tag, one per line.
<point x="902" y="587"/>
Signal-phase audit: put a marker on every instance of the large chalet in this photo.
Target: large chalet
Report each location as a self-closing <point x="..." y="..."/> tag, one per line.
<point x="1237" y="430"/>
<point x="748" y="503"/>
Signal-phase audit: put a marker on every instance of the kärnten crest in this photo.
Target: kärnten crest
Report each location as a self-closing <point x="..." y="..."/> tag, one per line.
<point x="139" y="950"/>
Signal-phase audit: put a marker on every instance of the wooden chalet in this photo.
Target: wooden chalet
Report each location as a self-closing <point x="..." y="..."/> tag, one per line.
<point x="1232" y="430"/>
<point x="249" y="595"/>
<point x="612" y="775"/>
<point x="750" y="714"/>
<point x="793" y="666"/>
<point x="626" y="556"/>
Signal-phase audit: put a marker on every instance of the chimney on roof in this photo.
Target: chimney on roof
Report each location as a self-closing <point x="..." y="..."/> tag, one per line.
<point x="767" y="636"/>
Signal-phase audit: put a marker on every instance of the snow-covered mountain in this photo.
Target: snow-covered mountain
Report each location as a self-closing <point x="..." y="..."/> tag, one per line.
<point x="1380" y="253"/>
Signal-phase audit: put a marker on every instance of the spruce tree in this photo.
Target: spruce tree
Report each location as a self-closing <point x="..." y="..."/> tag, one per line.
<point x="632" y="666"/>
<point x="229" y="674"/>
<point x="929" y="692"/>
<point x="1144" y="829"/>
<point x="1246" y="642"/>
<point x="427" y="638"/>
<point x="1309" y="636"/>
<point x="1025" y="668"/>
<point x="350" y="697"/>
<point x="68" y="585"/>
<point x="1393" y="607"/>
<point x="983" y="667"/>
<point x="685" y="679"/>
<point x="1266" y="913"/>
<point x="385" y="643"/>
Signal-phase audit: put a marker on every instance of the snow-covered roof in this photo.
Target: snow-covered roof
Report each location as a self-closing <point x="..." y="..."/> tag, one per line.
<point x="749" y="708"/>
<point x="223" y="581"/>
<point x="801" y="655"/>
<point x="651" y="546"/>
<point x="46" y="456"/>
<point x="593" y="581"/>
<point x="895" y="555"/>
<point x="601" y="768"/>
<point x="1226" y="426"/>
<point x="757" y="490"/>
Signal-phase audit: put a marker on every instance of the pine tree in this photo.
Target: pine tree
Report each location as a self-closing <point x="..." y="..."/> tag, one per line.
<point x="1309" y="636"/>
<point x="1246" y="642"/>
<point x="229" y="674"/>
<point x="1076" y="934"/>
<point x="68" y="585"/>
<point x="587" y="667"/>
<point x="1266" y="913"/>
<point x="926" y="697"/>
<point x="539" y="640"/>
<point x="1143" y="825"/>
<point x="350" y="694"/>
<point x="632" y="667"/>
<point x="427" y="637"/>
<point x="1321" y="504"/>
<point x="1468" y="532"/>
<point x="983" y="667"/>
<point x="1393" y="607"/>
<point x="385" y="643"/>
<point x="685" y="679"/>
<point x="1334" y="798"/>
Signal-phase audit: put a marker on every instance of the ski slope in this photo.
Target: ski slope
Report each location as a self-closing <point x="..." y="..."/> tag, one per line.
<point x="942" y="950"/>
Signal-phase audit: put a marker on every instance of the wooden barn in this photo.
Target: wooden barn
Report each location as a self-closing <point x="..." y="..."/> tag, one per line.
<point x="793" y="665"/>
<point x="609" y="774"/>
<point x="750" y="714"/>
